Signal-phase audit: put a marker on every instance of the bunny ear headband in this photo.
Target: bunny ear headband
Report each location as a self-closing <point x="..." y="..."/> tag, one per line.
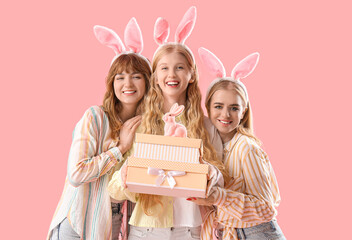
<point x="184" y="29"/>
<point x="240" y="71"/>
<point x="133" y="39"/>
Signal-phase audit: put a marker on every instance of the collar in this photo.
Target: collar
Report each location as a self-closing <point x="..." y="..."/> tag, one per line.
<point x="230" y="144"/>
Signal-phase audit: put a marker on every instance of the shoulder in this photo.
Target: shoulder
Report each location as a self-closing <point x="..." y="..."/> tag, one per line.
<point x="95" y="115"/>
<point x="248" y="145"/>
<point x="95" y="112"/>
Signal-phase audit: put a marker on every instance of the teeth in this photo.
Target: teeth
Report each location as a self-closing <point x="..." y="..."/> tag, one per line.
<point x="128" y="92"/>
<point x="172" y="83"/>
<point x="225" y="122"/>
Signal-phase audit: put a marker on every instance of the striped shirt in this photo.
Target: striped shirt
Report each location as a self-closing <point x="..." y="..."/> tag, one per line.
<point x="252" y="195"/>
<point x="85" y="200"/>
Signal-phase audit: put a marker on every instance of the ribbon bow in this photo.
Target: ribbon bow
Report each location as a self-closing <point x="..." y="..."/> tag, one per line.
<point x="162" y="175"/>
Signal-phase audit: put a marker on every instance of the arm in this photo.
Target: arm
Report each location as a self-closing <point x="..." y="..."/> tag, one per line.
<point x="117" y="187"/>
<point x="257" y="203"/>
<point x="84" y="165"/>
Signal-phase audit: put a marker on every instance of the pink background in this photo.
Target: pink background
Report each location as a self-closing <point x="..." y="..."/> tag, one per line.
<point x="53" y="69"/>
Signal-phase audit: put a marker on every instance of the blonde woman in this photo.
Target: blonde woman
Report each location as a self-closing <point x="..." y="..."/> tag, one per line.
<point x="246" y="207"/>
<point x="174" y="80"/>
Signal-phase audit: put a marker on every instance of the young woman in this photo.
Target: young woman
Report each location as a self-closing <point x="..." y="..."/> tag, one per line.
<point x="100" y="140"/>
<point x="174" y="80"/>
<point x="246" y="206"/>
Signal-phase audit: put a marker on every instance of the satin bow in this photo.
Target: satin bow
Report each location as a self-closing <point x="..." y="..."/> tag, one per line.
<point x="162" y="175"/>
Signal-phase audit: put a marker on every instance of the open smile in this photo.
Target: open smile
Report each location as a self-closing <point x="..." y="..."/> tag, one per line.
<point x="129" y="92"/>
<point x="172" y="83"/>
<point x="225" y="122"/>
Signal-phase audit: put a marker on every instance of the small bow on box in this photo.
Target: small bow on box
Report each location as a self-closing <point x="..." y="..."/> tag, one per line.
<point x="162" y="175"/>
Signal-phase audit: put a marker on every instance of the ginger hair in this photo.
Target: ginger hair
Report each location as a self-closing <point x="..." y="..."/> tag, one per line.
<point x="128" y="63"/>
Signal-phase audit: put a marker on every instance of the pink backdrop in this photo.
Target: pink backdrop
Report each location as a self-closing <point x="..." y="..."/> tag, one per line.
<point x="53" y="69"/>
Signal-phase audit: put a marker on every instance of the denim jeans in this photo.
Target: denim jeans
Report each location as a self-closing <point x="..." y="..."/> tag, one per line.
<point x="179" y="233"/>
<point x="116" y="219"/>
<point x="64" y="230"/>
<point x="264" y="231"/>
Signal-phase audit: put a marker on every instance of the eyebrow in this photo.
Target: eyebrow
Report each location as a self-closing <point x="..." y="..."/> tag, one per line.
<point x="235" y="104"/>
<point x="175" y="63"/>
<point x="131" y="73"/>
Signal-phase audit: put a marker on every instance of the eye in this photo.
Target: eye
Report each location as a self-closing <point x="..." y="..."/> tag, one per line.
<point x="180" y="68"/>
<point x="218" y="107"/>
<point x="137" y="77"/>
<point x="163" y="68"/>
<point x="119" y="78"/>
<point x="235" y="109"/>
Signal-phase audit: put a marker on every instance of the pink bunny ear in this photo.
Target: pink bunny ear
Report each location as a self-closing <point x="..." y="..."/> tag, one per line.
<point x="161" y="31"/>
<point x="178" y="110"/>
<point x="173" y="107"/>
<point x="245" y="66"/>
<point x="186" y="25"/>
<point x="133" y="36"/>
<point x="212" y="63"/>
<point x="109" y="38"/>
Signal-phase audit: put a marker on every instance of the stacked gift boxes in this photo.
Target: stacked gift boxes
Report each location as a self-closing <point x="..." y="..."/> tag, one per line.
<point x="169" y="166"/>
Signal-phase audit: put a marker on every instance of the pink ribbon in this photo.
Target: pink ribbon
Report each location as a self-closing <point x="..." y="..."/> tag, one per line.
<point x="162" y="175"/>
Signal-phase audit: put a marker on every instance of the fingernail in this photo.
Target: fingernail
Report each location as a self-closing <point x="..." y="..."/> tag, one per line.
<point x="189" y="199"/>
<point x="194" y="198"/>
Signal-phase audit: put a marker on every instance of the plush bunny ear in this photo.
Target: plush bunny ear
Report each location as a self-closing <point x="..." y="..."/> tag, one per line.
<point x="173" y="107"/>
<point x="176" y="109"/>
<point x="179" y="110"/>
<point x="211" y="62"/>
<point x="245" y="66"/>
<point x="109" y="38"/>
<point x="133" y="36"/>
<point x="186" y="25"/>
<point x="161" y="31"/>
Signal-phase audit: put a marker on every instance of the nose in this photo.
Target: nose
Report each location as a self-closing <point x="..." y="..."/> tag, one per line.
<point x="225" y="113"/>
<point x="128" y="81"/>
<point x="171" y="73"/>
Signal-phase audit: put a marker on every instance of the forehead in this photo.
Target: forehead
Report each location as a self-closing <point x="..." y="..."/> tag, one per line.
<point x="227" y="97"/>
<point x="127" y="72"/>
<point x="172" y="58"/>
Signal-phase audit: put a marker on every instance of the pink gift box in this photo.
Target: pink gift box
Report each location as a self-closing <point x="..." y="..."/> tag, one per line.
<point x="170" y="167"/>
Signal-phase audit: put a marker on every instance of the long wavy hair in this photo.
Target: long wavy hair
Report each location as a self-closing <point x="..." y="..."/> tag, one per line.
<point x="129" y="63"/>
<point x="152" y="122"/>
<point x="245" y="126"/>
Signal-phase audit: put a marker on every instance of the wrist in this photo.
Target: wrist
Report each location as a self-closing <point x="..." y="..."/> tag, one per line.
<point x="122" y="148"/>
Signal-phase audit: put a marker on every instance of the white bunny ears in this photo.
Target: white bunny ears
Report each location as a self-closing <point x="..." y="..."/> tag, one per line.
<point x="240" y="71"/>
<point x="133" y="39"/>
<point x="184" y="29"/>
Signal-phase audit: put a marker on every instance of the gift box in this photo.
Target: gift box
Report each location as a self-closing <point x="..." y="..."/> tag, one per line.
<point x="169" y="166"/>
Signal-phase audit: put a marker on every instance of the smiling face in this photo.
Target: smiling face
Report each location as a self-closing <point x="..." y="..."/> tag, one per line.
<point x="226" y="111"/>
<point x="129" y="88"/>
<point x="173" y="75"/>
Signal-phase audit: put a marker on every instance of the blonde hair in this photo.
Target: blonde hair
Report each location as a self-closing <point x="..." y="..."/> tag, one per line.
<point x="129" y="63"/>
<point x="152" y="122"/>
<point x="245" y="126"/>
